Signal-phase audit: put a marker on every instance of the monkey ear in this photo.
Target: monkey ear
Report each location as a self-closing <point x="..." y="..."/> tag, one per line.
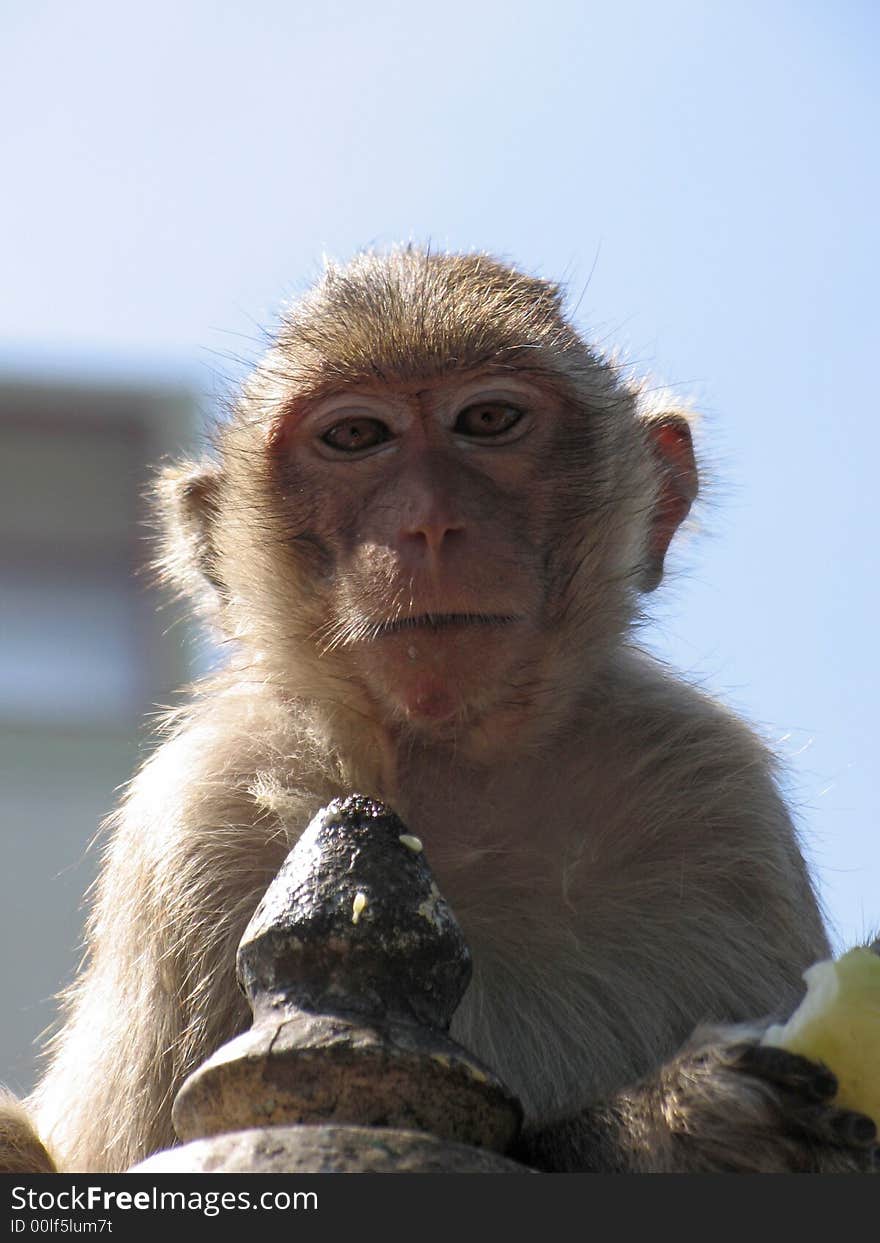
<point x="669" y="436"/>
<point x="186" y="502"/>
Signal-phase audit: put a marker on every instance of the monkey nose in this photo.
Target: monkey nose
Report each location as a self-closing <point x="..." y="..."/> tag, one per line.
<point x="430" y="537"/>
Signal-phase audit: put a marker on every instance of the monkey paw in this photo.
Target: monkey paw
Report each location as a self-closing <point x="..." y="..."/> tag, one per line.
<point x="751" y="1108"/>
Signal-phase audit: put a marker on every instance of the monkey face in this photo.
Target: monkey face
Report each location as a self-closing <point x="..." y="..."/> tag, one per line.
<point x="434" y="501"/>
<point x="431" y="507"/>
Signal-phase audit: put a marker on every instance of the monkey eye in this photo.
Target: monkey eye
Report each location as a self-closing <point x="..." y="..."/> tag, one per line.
<point x="353" y="435"/>
<point x="487" y="419"/>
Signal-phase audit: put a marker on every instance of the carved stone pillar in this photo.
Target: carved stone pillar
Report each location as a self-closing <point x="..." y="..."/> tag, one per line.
<point x="353" y="965"/>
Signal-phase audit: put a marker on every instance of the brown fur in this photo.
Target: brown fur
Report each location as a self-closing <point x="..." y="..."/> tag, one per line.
<point x="612" y="841"/>
<point x="22" y="1152"/>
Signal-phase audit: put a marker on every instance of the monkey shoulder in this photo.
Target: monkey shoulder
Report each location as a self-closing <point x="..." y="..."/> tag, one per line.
<point x="213" y="811"/>
<point x="695" y="820"/>
<point x="221" y="758"/>
<point x="688" y="757"/>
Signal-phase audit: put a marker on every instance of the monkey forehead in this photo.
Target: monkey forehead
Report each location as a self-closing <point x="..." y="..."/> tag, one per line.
<point x="412" y="316"/>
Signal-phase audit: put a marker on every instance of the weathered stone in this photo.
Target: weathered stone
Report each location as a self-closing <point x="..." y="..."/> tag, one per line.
<point x="315" y="1068"/>
<point x="353" y="964"/>
<point x="327" y="1150"/>
<point x="401" y="955"/>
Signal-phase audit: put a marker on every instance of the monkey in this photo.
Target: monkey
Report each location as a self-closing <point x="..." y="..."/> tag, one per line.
<point x="424" y="535"/>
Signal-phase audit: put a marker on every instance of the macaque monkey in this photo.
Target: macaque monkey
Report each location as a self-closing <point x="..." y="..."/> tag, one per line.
<point x="424" y="535"/>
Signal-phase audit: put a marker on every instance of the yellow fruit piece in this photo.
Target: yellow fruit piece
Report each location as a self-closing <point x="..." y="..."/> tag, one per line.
<point x="838" y="1023"/>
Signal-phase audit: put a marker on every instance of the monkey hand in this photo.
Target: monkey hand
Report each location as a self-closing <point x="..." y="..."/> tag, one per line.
<point x="738" y="1106"/>
<point x="724" y="1104"/>
<point x="777" y="1113"/>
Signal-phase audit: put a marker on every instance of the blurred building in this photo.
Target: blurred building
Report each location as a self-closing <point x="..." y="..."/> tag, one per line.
<point x="85" y="657"/>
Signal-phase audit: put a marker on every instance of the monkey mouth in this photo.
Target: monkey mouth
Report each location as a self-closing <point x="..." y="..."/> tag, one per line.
<point x="445" y="621"/>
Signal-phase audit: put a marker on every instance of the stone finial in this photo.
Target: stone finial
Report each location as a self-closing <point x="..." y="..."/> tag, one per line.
<point x="353" y="964"/>
<point x="353" y="923"/>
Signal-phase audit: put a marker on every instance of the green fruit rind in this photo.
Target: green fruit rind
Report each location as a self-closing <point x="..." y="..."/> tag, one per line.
<point x="838" y="1023"/>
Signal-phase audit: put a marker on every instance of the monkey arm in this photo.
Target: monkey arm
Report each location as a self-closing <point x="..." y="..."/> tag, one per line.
<point x="724" y="1104"/>
<point x="188" y="857"/>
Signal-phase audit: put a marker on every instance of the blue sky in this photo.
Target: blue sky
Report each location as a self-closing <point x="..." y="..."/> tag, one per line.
<point x="704" y="176"/>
